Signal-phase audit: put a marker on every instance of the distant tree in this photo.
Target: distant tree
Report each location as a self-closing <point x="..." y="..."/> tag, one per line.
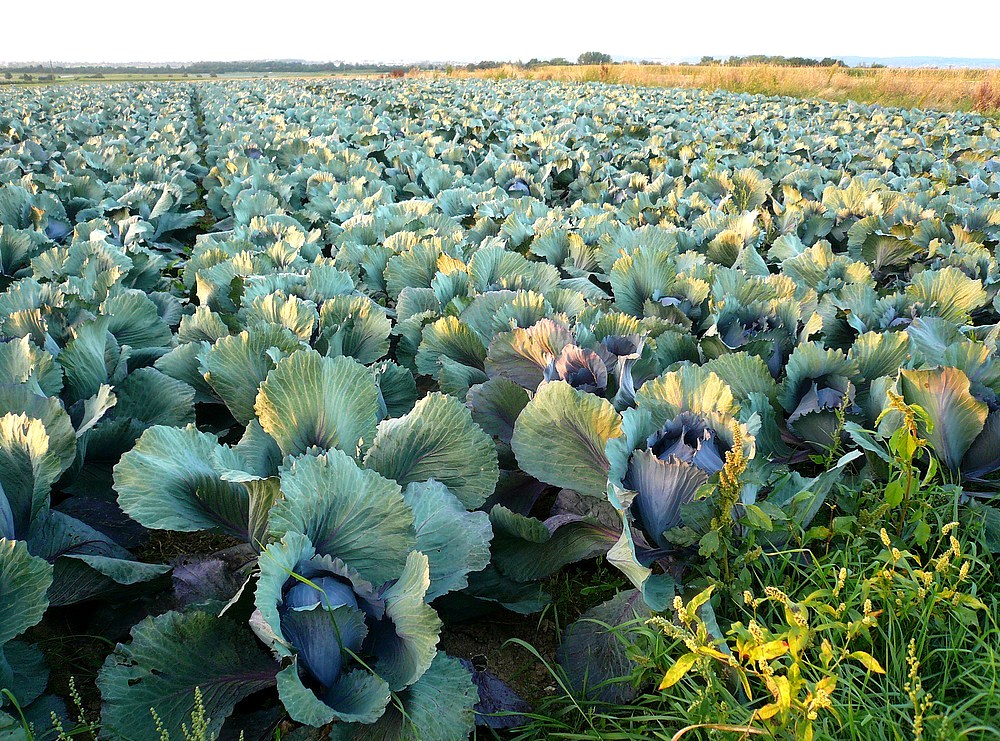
<point x="708" y="61"/>
<point x="560" y="62"/>
<point x="8" y="75"/>
<point x="594" y="57"/>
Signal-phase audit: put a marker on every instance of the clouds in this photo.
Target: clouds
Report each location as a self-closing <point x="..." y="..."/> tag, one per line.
<point x="454" y="30"/>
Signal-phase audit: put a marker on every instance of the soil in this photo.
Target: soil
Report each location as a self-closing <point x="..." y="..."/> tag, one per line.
<point x="486" y="643"/>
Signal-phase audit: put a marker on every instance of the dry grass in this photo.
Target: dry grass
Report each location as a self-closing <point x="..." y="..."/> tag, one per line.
<point x="946" y="89"/>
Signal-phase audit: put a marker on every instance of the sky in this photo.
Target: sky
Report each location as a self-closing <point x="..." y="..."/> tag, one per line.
<point x="462" y="31"/>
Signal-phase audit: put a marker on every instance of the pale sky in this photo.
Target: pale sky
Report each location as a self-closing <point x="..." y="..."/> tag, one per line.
<point x="457" y="30"/>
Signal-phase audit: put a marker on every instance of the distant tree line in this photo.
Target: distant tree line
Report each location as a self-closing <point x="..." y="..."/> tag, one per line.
<point x="202" y="68"/>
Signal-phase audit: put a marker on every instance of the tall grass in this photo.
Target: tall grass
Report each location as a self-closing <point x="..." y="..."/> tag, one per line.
<point x="941" y="674"/>
<point x="946" y="89"/>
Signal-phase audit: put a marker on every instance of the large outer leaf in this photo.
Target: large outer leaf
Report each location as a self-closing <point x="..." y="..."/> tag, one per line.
<point x="311" y="400"/>
<point x="439" y="440"/>
<point x="930" y="337"/>
<point x="11" y="727"/>
<point x="26" y="473"/>
<point x="83" y="360"/>
<point x="438" y="706"/>
<point x="347" y="513"/>
<point x="397" y="388"/>
<point x="83" y="577"/>
<point x="37" y="715"/>
<point x="24" y="672"/>
<point x="404" y="644"/>
<point x="454" y="540"/>
<point x="21" y="362"/>
<point x="6" y="517"/>
<point x="358" y="697"/>
<point x="354" y="326"/>
<point x="62" y="437"/>
<point x="154" y="398"/>
<point x="37" y="443"/>
<point x="657" y="588"/>
<point x="492" y="586"/>
<point x="182" y="364"/>
<point x="135" y="320"/>
<point x="490" y="312"/>
<point x="879" y="355"/>
<point x="167" y="482"/>
<point x="983" y="456"/>
<point x="526" y="549"/>
<point x="560" y="436"/>
<point x="236" y="366"/>
<point x="948" y="293"/>
<point x="455" y="379"/>
<point x="495" y="406"/>
<point x="744" y="374"/>
<point x="453" y="339"/>
<point x="279" y="309"/>
<point x="637" y="277"/>
<point x="414" y="267"/>
<point x="87" y="563"/>
<point x="258" y="452"/>
<point x="24" y="581"/>
<point x="593" y="651"/>
<point x="169" y="656"/>
<point x="957" y="416"/>
<point x="688" y="389"/>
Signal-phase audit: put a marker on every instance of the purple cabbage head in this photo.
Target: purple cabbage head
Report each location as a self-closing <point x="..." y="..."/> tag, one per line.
<point x="678" y="459"/>
<point x="581" y="368"/>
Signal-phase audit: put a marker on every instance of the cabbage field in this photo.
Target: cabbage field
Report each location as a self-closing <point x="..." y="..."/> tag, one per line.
<point x="298" y="375"/>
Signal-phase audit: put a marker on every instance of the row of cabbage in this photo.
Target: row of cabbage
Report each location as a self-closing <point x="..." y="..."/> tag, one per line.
<point x="413" y="347"/>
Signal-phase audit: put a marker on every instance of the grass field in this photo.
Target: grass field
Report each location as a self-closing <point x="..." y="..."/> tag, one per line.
<point x="946" y="89"/>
